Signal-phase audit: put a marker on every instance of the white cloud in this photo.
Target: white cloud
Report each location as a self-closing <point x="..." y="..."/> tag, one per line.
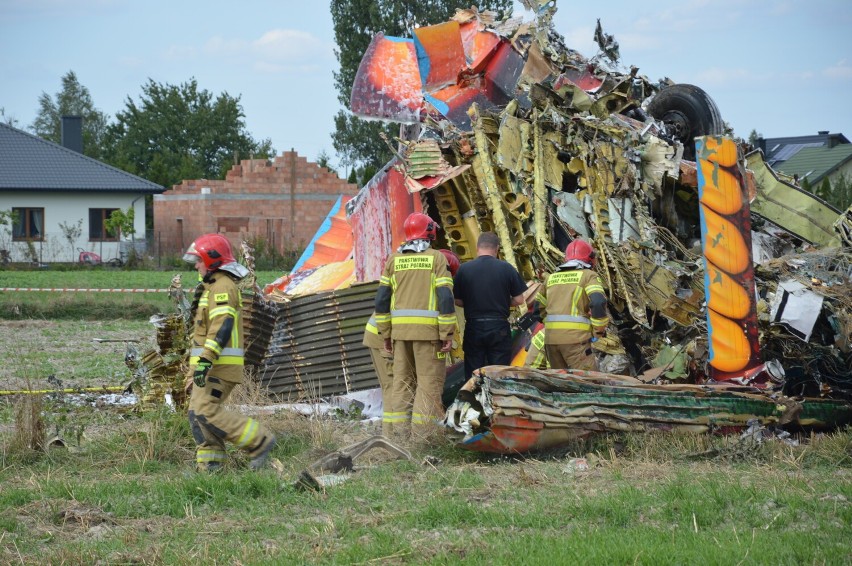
<point x="840" y="70"/>
<point x="274" y="51"/>
<point x="582" y="39"/>
<point x="177" y="52"/>
<point x="291" y="45"/>
<point x="218" y="45"/>
<point x="631" y="42"/>
<point x="724" y="76"/>
<point x="275" y="68"/>
<point x="781" y="8"/>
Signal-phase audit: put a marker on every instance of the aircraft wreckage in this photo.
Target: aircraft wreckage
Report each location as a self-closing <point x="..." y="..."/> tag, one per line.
<point x="728" y="285"/>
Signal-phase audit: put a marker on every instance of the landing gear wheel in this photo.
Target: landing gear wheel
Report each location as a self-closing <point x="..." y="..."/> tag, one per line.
<point x="687" y="112"/>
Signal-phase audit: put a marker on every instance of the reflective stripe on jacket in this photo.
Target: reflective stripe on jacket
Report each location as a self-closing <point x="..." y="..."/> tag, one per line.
<point x="564" y="305"/>
<point x="221" y="301"/>
<point x="372" y="339"/>
<point x="415" y="312"/>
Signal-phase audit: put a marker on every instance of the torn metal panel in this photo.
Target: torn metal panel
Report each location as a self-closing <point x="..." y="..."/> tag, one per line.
<point x="376" y="215"/>
<point x="570" y="210"/>
<point x="790" y="207"/>
<point x="515" y="410"/>
<point x="843" y="226"/>
<point x="796" y="307"/>
<point x="440" y="54"/>
<point x="387" y="84"/>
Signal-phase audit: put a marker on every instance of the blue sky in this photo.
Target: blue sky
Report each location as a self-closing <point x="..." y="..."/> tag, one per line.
<point x="782" y="67"/>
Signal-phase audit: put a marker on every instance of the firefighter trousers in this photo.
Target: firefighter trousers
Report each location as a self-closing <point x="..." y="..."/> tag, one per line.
<point x="571" y="356"/>
<point x="212" y="425"/>
<point x="419" y="372"/>
<point x="383" y="363"/>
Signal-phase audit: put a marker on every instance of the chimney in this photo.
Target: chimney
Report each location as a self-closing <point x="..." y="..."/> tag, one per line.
<point x="72" y="133"/>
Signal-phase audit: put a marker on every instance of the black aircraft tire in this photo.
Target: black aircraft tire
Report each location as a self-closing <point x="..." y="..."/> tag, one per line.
<point x="688" y="112"/>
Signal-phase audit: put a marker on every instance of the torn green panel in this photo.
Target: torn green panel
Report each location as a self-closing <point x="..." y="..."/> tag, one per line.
<point x="793" y="209"/>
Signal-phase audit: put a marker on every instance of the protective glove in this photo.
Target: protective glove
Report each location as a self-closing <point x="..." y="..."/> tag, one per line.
<point x="199" y="378"/>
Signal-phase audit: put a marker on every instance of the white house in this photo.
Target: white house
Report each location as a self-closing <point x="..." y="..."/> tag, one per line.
<point x="53" y="192"/>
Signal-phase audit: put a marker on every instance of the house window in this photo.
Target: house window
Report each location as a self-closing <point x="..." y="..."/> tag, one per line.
<point x="98" y="229"/>
<point x="27" y="224"/>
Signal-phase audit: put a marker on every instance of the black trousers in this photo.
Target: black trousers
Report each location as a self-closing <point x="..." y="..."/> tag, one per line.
<point x="486" y="342"/>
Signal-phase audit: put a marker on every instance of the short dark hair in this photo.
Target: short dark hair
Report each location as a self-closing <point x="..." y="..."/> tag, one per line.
<point x="488" y="240"/>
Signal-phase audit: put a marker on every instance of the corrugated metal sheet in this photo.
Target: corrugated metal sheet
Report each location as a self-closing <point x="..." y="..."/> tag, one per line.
<point x="315" y="348"/>
<point x="259" y="317"/>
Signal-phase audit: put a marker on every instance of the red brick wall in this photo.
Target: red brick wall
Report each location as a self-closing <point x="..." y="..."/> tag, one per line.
<point x="283" y="201"/>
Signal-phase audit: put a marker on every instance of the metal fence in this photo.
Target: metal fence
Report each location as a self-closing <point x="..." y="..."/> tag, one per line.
<point x="152" y="251"/>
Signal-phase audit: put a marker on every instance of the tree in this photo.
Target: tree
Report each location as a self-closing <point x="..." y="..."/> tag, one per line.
<point x="324" y="160"/>
<point x="178" y="132"/>
<point x="753" y="136"/>
<point x="73" y="100"/>
<point x="8" y="120"/>
<point x="838" y="193"/>
<point x="72" y="233"/>
<point x="120" y="222"/>
<point x="358" y="142"/>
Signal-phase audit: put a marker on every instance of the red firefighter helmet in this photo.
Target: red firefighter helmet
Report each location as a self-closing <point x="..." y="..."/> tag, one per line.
<point x="213" y="249"/>
<point x="453" y="262"/>
<point x="419" y="226"/>
<point x="581" y="250"/>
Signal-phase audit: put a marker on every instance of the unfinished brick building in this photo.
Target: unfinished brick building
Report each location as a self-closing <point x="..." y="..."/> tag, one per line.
<point x="283" y="201"/>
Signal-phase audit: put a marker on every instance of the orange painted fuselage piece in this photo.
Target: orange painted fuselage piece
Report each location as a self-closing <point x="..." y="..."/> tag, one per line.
<point x="729" y="268"/>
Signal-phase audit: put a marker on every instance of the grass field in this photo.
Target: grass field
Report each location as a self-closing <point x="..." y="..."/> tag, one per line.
<point x="123" y="489"/>
<point x="63" y="305"/>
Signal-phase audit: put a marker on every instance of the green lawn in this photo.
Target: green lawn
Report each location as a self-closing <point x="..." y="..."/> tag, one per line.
<point x="123" y="489"/>
<point x="23" y="305"/>
<point x="129" y="496"/>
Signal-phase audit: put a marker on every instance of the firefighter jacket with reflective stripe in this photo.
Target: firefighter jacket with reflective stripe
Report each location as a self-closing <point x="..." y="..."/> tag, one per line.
<point x="218" y="330"/>
<point x="565" y="302"/>
<point x="372" y="339"/>
<point x="415" y="297"/>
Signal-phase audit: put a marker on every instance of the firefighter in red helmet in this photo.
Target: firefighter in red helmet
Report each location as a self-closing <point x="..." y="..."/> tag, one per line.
<point x="416" y="317"/>
<point x="216" y="359"/>
<point x="572" y="304"/>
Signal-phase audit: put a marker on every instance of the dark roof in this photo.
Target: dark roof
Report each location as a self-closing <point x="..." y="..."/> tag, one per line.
<point x="778" y="150"/>
<point x="814" y="163"/>
<point x="29" y="163"/>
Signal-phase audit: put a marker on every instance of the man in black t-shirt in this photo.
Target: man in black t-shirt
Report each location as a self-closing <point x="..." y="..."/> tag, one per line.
<point x="486" y="288"/>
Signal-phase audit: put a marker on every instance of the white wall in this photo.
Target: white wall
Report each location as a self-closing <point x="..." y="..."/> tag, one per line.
<point x="846" y="170"/>
<point x="68" y="208"/>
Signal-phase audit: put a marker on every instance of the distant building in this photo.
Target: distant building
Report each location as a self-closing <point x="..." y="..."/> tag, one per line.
<point x="282" y="201"/>
<point x="814" y="164"/>
<point x="778" y="150"/>
<point x="52" y="189"/>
